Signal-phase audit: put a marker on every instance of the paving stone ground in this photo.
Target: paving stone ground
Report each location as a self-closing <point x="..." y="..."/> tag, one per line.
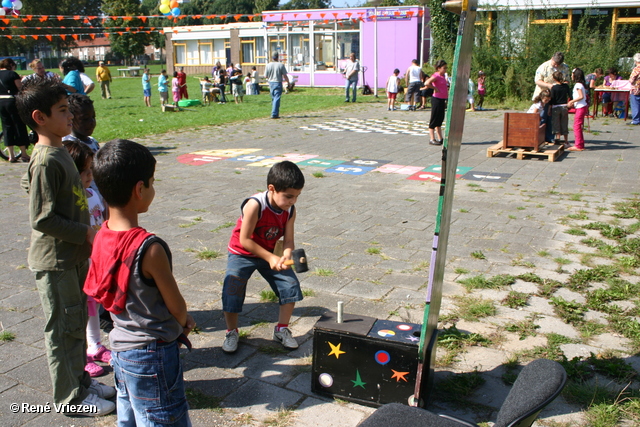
<point x="341" y="217"/>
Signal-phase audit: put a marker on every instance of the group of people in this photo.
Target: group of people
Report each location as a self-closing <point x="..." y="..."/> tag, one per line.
<point x="553" y="98"/>
<point x="84" y="202"/>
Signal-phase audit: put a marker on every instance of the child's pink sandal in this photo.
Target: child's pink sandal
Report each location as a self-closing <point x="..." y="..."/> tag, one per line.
<point x="102" y="355"/>
<point x="93" y="369"/>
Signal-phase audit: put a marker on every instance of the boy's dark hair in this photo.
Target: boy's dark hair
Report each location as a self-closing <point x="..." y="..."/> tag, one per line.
<point x="118" y="166"/>
<point x="69" y="64"/>
<point x="163" y="71"/>
<point x="285" y="175"/>
<point x="396" y="71"/>
<point x="80" y="153"/>
<point x="38" y="94"/>
<point x="175" y="74"/>
<point x="558" y="76"/>
<point x="79" y="103"/>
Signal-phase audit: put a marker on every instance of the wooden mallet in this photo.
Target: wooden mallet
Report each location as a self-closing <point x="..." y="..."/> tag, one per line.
<point x="299" y="261"/>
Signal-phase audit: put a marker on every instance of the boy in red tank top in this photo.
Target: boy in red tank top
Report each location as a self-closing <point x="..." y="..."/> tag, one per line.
<point x="265" y="217"/>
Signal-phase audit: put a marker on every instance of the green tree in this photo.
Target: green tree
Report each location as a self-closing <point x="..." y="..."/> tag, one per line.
<point x="126" y="44"/>
<point x="306" y="4"/>
<point x="262" y="5"/>
<point x="443" y="31"/>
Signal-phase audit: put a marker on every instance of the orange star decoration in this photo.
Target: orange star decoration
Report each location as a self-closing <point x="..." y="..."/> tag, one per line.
<point x="335" y="350"/>
<point x="399" y="376"/>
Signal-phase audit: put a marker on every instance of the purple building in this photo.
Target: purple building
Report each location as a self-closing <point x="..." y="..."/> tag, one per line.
<point x="314" y="44"/>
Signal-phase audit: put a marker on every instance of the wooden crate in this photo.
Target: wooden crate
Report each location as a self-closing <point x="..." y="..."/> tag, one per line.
<point x="523" y="130"/>
<point x="551" y="152"/>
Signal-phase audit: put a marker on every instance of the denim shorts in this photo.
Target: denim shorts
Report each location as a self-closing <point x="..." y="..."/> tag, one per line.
<point x="150" y="386"/>
<point x="240" y="268"/>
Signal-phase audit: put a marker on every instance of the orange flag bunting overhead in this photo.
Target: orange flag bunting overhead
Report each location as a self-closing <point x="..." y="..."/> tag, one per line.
<point x="63" y="37"/>
<point x="75" y="36"/>
<point x="93" y="36"/>
<point x="48" y="38"/>
<point x="44" y="18"/>
<point x="76" y="17"/>
<point x="60" y="18"/>
<point x="35" y="37"/>
<point x="237" y="17"/>
<point x="143" y="18"/>
<point x="23" y="37"/>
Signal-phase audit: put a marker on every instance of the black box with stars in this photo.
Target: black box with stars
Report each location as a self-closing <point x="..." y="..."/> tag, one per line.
<point x="368" y="361"/>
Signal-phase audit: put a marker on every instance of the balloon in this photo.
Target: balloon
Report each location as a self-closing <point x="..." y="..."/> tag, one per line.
<point x="173" y="4"/>
<point x="165" y="9"/>
<point x="7" y="3"/>
<point x="2" y="12"/>
<point x="165" y="1"/>
<point x="175" y="11"/>
<point x="17" y="5"/>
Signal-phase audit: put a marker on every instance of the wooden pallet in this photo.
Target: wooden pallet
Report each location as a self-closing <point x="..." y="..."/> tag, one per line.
<point x="552" y="152"/>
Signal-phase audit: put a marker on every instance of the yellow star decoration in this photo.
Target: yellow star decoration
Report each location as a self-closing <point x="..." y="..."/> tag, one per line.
<point x="335" y="350"/>
<point x="399" y="376"/>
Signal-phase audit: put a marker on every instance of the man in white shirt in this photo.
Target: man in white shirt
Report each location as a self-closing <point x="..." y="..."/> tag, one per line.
<point x="351" y="71"/>
<point x="413" y="78"/>
<point x="275" y="72"/>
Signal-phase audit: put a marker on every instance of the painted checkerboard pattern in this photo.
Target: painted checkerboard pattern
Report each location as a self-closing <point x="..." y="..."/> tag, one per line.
<point x="359" y="166"/>
<point x="386" y="127"/>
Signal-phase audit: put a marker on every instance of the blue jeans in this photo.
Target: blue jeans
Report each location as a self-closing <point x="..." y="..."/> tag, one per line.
<point x="240" y="268"/>
<point x="348" y="83"/>
<point x="150" y="386"/>
<point x="256" y="88"/>
<point x="546" y="119"/>
<point x="222" y="97"/>
<point x="635" y="109"/>
<point x="275" y="89"/>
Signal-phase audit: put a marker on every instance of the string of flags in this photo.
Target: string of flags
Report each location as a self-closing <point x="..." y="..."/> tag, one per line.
<point x="75" y="36"/>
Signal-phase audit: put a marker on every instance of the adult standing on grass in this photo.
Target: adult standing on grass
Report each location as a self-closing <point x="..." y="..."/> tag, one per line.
<point x="15" y="131"/>
<point x="103" y="75"/>
<point x="72" y="81"/>
<point x="275" y="72"/>
<point x="351" y="71"/>
<point x="146" y="87"/>
<point x="544" y="80"/>
<point x="182" y="82"/>
<point x="634" y="79"/>
<point x="39" y="72"/>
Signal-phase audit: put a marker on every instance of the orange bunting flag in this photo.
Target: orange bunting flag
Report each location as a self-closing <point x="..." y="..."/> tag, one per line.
<point x="396" y="13"/>
<point x="322" y="15"/>
<point x="341" y="24"/>
<point x="75" y="36"/>
<point x="153" y="28"/>
<point x="9" y="37"/>
<point x="127" y="29"/>
<point x="6" y="21"/>
<point x="250" y="17"/>
<point x="86" y="21"/>
<point x="93" y="36"/>
<point x="309" y="15"/>
<point x="295" y="15"/>
<point x="28" y="18"/>
<point x="44" y="18"/>
<point x="35" y="37"/>
<point x="326" y="21"/>
<point x="420" y="13"/>
<point x="49" y="38"/>
<point x="23" y="37"/>
<point x="335" y="15"/>
<point x="63" y="36"/>
<point x="76" y="17"/>
<point x="211" y="16"/>
<point x="197" y="16"/>
<point x="349" y="14"/>
<point x="410" y="13"/>
<point x="148" y="32"/>
<point x="175" y="31"/>
<point x="237" y="17"/>
<point x="60" y="18"/>
<point x="92" y="17"/>
<point x="161" y="31"/>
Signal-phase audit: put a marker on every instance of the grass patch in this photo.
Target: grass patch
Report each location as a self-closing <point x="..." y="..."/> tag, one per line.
<point x="282" y="418"/>
<point x="199" y="400"/>
<point x="473" y="308"/>
<point x="308" y="293"/>
<point x="324" y="272"/>
<point x="576" y="232"/>
<point x="543" y="253"/>
<point x="562" y="261"/>
<point x="223" y="226"/>
<point x="607" y="230"/>
<point x="457" y="387"/>
<point x="267" y="295"/>
<point x="570" y="311"/>
<point x="463" y="211"/>
<point x="373" y="251"/>
<point x="582" y="215"/>
<point x="318" y="175"/>
<point x="208" y="254"/>
<point x="478" y="255"/>
<point x="481" y="282"/>
<point x="524" y="328"/>
<point x="580" y="279"/>
<point x="577" y="197"/>
<point x="460" y="270"/>
<point x="515" y="299"/>
<point x="6" y="336"/>
<point x="273" y="350"/>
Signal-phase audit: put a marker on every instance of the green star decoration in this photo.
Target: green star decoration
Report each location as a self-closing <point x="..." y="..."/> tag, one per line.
<point x="358" y="381"/>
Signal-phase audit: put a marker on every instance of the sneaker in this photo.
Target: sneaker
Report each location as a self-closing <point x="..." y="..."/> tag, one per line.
<point x="230" y="344"/>
<point x="285" y="338"/>
<point x="101" y="390"/>
<point x="102" y="406"/>
<point x="93" y="369"/>
<point x="102" y="355"/>
<point x="435" y="142"/>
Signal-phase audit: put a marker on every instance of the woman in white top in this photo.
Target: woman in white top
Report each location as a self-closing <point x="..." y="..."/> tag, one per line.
<point x="579" y="102"/>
